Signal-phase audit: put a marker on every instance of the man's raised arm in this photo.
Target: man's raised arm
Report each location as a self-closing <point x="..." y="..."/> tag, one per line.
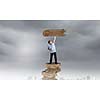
<point x="54" y="39"/>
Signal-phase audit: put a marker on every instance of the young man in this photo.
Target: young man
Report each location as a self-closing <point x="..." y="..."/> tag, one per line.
<point x="52" y="50"/>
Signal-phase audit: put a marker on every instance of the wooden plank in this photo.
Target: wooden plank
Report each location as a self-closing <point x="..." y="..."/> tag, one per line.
<point x="53" y="32"/>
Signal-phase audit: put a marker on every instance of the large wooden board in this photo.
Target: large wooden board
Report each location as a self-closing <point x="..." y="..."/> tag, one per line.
<point x="53" y="32"/>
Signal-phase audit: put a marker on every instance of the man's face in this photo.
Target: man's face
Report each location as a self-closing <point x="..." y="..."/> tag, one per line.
<point x="51" y="41"/>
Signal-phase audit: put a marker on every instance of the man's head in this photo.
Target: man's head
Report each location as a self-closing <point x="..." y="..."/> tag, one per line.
<point x="50" y="42"/>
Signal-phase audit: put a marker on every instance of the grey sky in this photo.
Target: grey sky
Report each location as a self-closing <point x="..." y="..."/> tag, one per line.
<point x="23" y="42"/>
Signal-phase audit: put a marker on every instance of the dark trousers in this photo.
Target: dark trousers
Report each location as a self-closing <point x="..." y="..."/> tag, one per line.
<point x="55" y="57"/>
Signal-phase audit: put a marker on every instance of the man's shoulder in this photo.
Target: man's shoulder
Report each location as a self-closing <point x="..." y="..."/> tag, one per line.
<point x="53" y="43"/>
<point x="48" y="44"/>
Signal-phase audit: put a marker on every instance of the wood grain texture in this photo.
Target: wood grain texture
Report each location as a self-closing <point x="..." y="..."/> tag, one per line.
<point x="53" y="32"/>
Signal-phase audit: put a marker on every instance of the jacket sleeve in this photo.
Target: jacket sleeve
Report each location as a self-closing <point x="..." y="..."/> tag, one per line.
<point x="49" y="48"/>
<point x="54" y="39"/>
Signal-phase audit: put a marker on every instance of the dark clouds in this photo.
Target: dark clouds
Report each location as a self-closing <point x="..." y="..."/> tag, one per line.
<point x="83" y="32"/>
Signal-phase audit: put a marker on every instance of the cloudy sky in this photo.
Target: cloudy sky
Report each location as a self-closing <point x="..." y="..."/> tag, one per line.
<point x="23" y="49"/>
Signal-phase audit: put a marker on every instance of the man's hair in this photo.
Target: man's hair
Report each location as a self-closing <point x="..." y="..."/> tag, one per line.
<point x="49" y="41"/>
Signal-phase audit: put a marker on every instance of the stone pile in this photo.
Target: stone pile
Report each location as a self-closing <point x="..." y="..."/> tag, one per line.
<point x="51" y="71"/>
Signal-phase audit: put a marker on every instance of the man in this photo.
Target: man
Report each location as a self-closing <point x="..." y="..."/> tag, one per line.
<point x="52" y="50"/>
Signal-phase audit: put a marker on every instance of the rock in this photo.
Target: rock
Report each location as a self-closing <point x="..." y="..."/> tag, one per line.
<point x="49" y="75"/>
<point x="51" y="72"/>
<point x="53" y="65"/>
<point x="49" y="78"/>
